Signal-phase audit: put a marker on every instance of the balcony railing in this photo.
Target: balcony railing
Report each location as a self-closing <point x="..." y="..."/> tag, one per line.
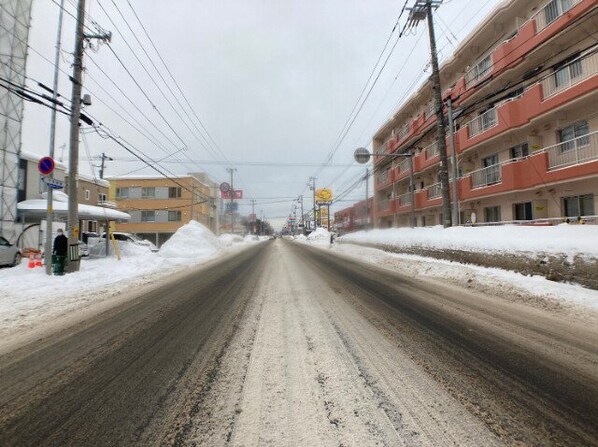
<point x="486" y="176"/>
<point x="482" y="123"/>
<point x="404" y="165"/>
<point x="567" y="76"/>
<point x="403" y="131"/>
<point x="434" y="191"/>
<point x="552" y="11"/>
<point x="404" y="199"/>
<point x="431" y="150"/>
<point x="382" y="178"/>
<point x="384" y="205"/>
<point x="572" y="152"/>
<point x="478" y="71"/>
<point x="430" y="111"/>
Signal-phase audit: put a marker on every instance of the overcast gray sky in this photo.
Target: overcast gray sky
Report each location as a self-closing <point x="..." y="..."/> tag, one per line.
<point x="273" y="82"/>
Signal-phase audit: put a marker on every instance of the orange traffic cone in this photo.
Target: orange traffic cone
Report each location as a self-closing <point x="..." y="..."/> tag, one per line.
<point x="38" y="259"/>
<point x="31" y="261"/>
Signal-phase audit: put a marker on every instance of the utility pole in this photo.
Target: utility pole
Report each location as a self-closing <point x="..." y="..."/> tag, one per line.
<point x="423" y="9"/>
<point x="50" y="191"/>
<point x="73" y="259"/>
<point x="232" y="199"/>
<point x="104" y="157"/>
<point x="455" y="169"/>
<point x="302" y="215"/>
<point x="73" y="214"/>
<point x="313" y="188"/>
<point x="253" y="215"/>
<point x="366" y="218"/>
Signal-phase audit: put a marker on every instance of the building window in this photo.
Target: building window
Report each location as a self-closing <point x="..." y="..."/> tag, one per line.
<point x="122" y="193"/>
<point x="522" y="211"/>
<point x="555" y="9"/>
<point x="148" y="193"/>
<point x="491" y="170"/>
<point x="87" y="194"/>
<point x="174" y="216"/>
<point x="102" y="197"/>
<point x="148" y="216"/>
<point x="174" y="192"/>
<point x="574" y="206"/>
<point x="520" y="151"/>
<point x="492" y="214"/>
<point x="567" y="71"/>
<point x="570" y="136"/>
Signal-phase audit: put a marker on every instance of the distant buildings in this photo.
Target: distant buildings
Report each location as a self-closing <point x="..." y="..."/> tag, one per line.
<point x="359" y="216"/>
<point x="159" y="206"/>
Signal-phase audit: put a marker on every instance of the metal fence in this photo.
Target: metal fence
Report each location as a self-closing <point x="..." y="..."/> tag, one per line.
<point x="579" y="150"/>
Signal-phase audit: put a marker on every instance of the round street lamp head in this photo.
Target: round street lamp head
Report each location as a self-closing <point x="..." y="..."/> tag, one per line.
<point x="361" y="155"/>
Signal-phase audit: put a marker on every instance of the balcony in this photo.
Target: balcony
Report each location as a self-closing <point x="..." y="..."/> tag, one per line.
<point x="434" y="191"/>
<point x="431" y="151"/>
<point x="384" y="179"/>
<point x="479" y="71"/>
<point x="552" y="11"/>
<point x="484" y="177"/>
<point x="385" y="207"/>
<point x="482" y="123"/>
<point x="404" y="199"/>
<point x="573" y="152"/>
<point x="569" y="75"/>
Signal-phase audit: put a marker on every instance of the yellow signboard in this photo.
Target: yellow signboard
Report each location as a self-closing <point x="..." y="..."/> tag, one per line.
<point x="323" y="195"/>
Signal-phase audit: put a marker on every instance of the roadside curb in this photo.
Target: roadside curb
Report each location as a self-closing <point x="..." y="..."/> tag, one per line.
<point x="553" y="267"/>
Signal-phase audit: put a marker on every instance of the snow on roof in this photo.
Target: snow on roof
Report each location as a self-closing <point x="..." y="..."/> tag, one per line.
<point x="97" y="181"/>
<point x="37" y="207"/>
<point x="30" y="156"/>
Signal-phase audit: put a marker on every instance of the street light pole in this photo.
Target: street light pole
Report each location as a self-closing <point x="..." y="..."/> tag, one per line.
<point x="362" y="155"/>
<point x="49" y="191"/>
<point x="455" y="169"/>
<point x="367" y="193"/>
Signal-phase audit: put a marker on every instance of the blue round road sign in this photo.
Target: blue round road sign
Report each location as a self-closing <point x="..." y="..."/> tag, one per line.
<point x="46" y="165"/>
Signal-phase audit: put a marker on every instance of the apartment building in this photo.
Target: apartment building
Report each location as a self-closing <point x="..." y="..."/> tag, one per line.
<point x="359" y="216"/>
<point x="159" y="206"/>
<point x="523" y="88"/>
<point x="92" y="191"/>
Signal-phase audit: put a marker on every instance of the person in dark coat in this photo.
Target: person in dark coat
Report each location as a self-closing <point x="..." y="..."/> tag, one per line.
<point x="60" y="244"/>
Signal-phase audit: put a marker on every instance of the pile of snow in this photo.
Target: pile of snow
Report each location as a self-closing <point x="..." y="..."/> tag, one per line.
<point x="191" y="241"/>
<point x="228" y="239"/>
<point x="300" y="238"/>
<point x="565" y="239"/>
<point x="320" y="234"/>
<point x="126" y="249"/>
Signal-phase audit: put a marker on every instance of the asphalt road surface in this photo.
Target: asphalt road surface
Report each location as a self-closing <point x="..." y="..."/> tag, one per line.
<point x="285" y="344"/>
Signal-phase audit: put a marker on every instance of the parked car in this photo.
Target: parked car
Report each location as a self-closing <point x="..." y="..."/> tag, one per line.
<point x="129" y="237"/>
<point x="9" y="254"/>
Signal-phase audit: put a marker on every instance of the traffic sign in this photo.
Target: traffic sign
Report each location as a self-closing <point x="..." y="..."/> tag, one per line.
<point x="46" y="165"/>
<point x="224" y="187"/>
<point x="54" y="183"/>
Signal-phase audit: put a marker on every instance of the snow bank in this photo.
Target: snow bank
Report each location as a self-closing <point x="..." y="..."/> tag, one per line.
<point x="320" y="234"/>
<point x="565" y="239"/>
<point x="230" y="239"/>
<point x="191" y="241"/>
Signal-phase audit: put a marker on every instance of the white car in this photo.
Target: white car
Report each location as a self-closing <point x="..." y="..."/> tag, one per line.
<point x="9" y="254"/>
<point x="129" y="237"/>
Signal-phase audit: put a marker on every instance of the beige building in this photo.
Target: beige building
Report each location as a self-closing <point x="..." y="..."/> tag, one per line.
<point x="159" y="206"/>
<point x="524" y="88"/>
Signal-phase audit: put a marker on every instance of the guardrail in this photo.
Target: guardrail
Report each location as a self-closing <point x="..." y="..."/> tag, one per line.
<point x="434" y="191"/>
<point x="486" y="176"/>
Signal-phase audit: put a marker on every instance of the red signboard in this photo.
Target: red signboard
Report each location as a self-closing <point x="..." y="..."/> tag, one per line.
<point x="226" y="195"/>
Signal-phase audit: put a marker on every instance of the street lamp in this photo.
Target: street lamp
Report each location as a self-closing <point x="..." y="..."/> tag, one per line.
<point x="362" y="156"/>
